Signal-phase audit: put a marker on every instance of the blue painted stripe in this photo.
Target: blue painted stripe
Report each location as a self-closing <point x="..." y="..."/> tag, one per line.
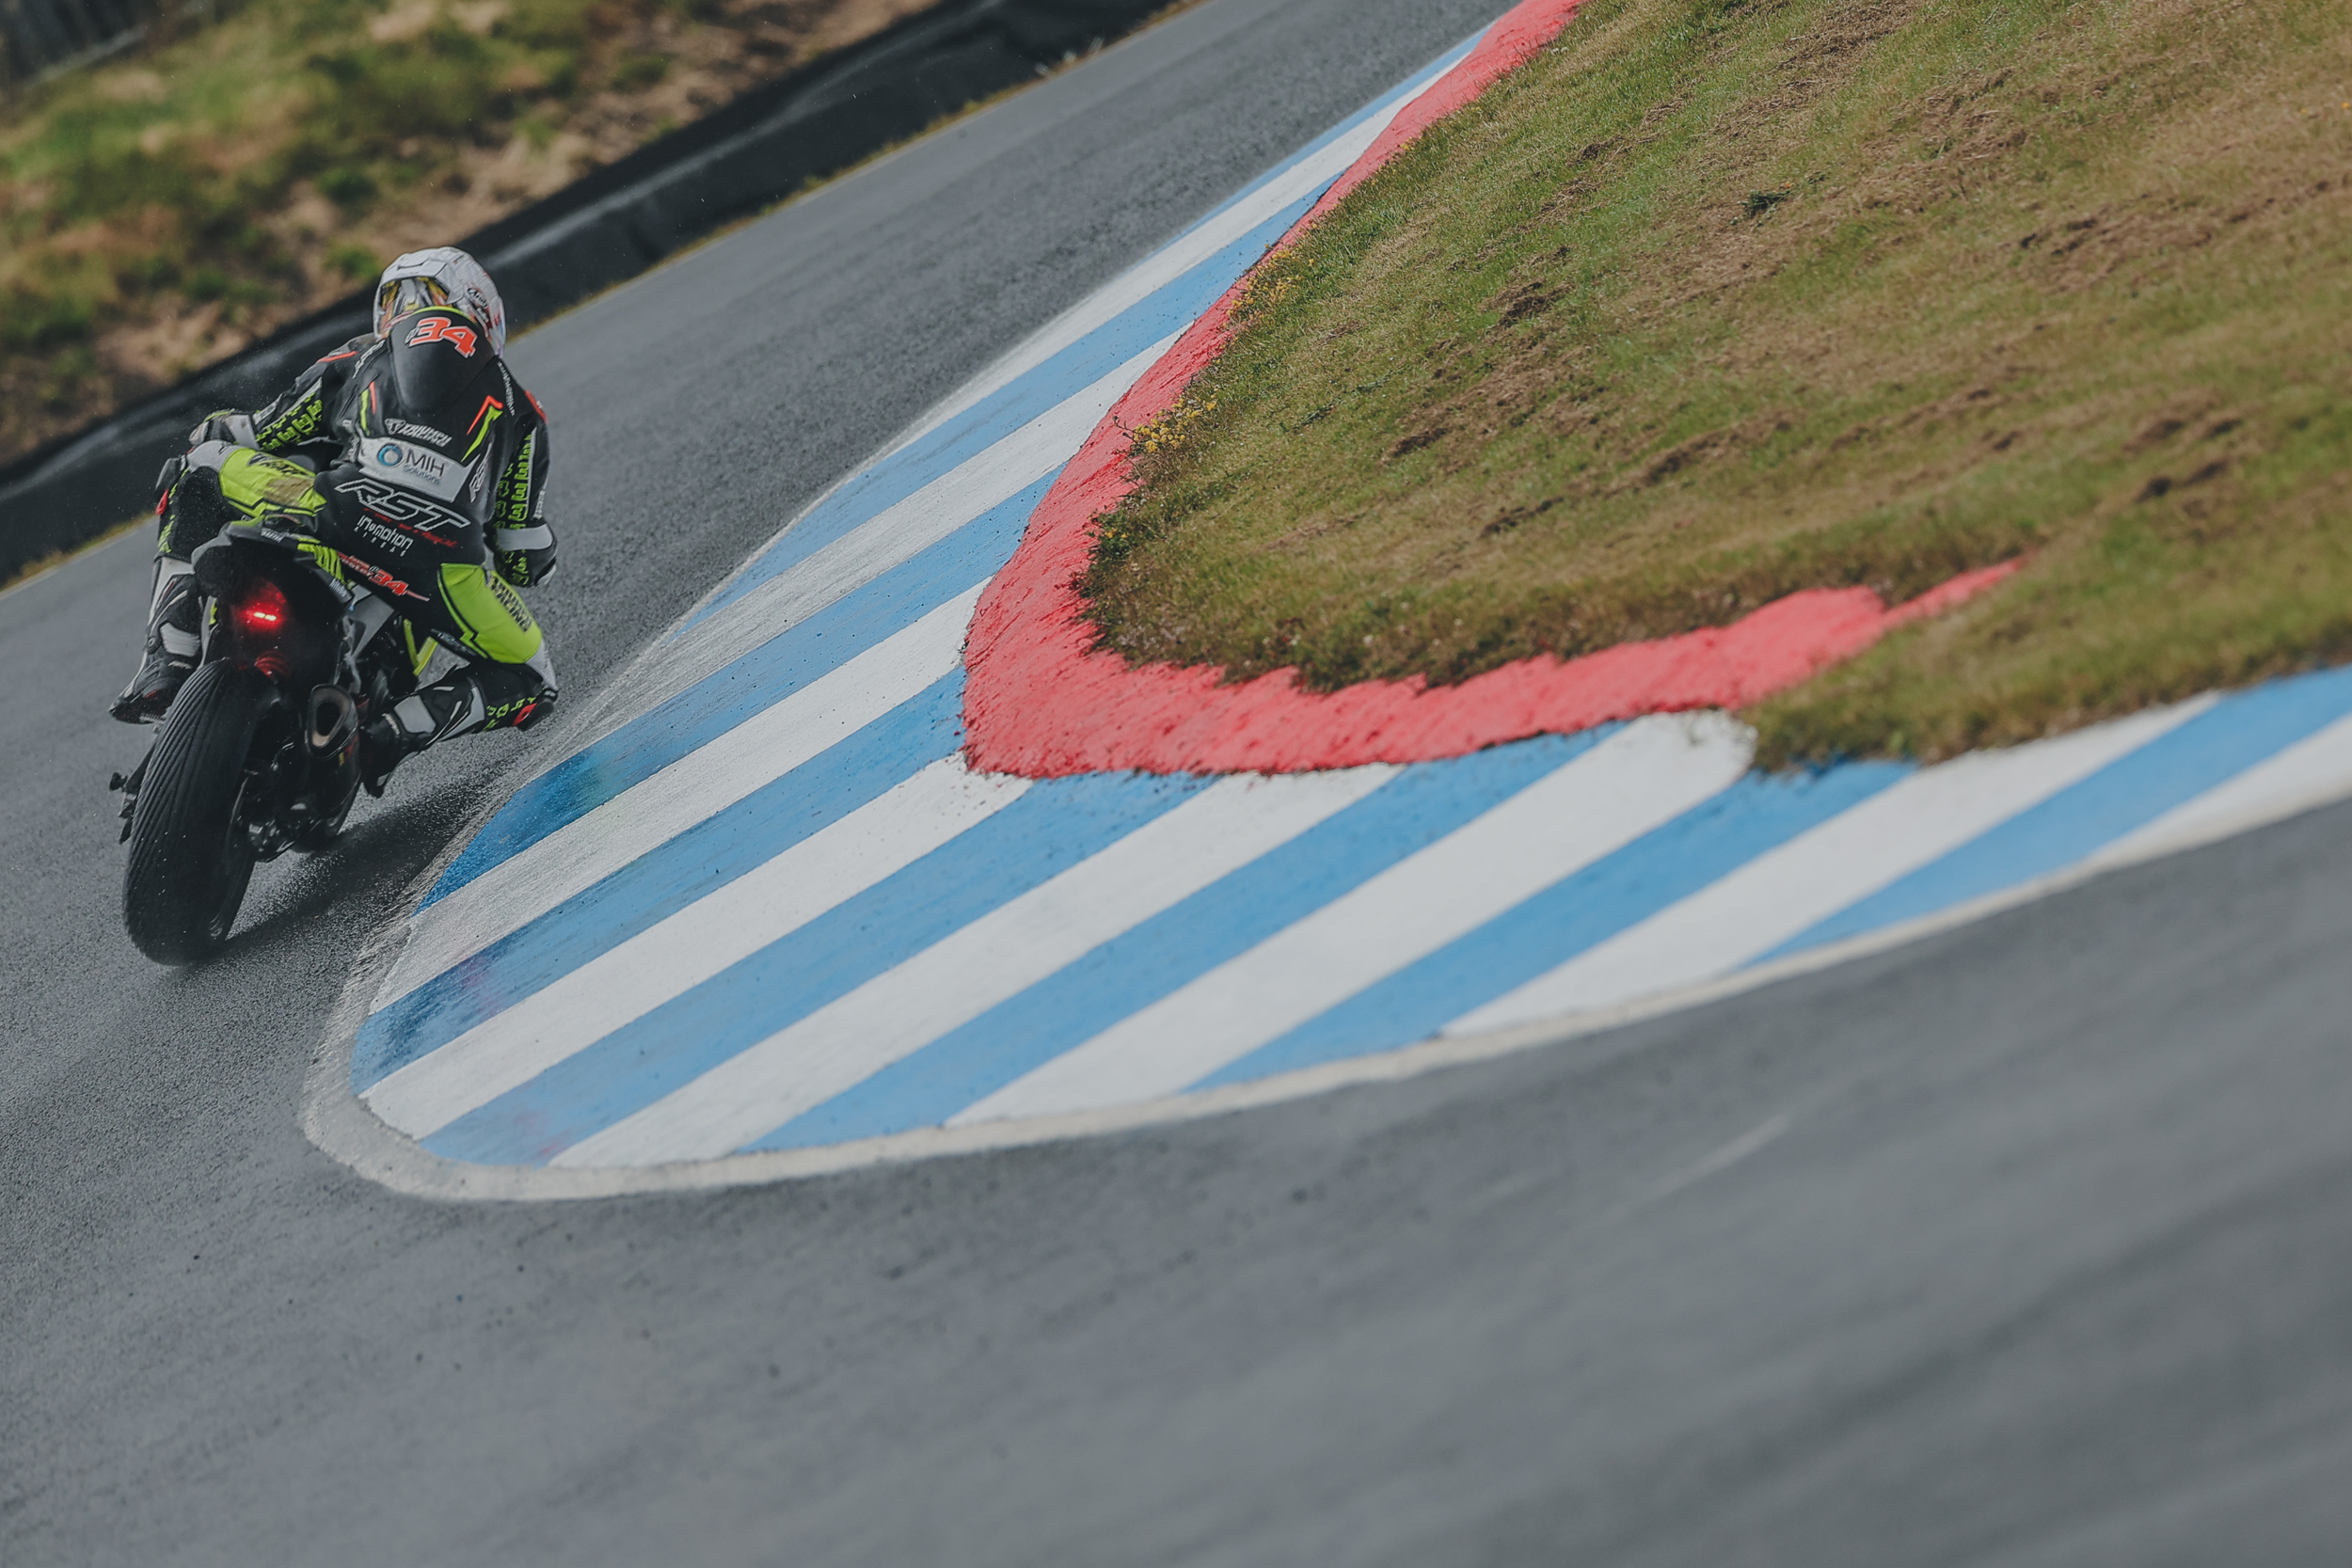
<point x="1669" y="863"/>
<point x="2176" y="767"/>
<point x="1059" y="823"/>
<point x="1056" y="825"/>
<point x="756" y="682"/>
<point x="766" y="676"/>
<point x="1421" y="805"/>
<point x="650" y="889"/>
<point x="1168" y="309"/>
<point x="1104" y="350"/>
<point x="582" y="783"/>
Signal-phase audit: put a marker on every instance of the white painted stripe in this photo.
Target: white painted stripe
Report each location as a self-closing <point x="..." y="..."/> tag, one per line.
<point x="821" y="873"/>
<point x="892" y="536"/>
<point x="1642" y="776"/>
<point x="699" y="784"/>
<point x="2316" y="770"/>
<point x="1789" y="889"/>
<point x="1291" y="184"/>
<point x="1167" y="859"/>
<point x="703" y="647"/>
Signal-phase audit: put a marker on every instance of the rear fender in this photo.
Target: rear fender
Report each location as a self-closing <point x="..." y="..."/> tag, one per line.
<point x="272" y="608"/>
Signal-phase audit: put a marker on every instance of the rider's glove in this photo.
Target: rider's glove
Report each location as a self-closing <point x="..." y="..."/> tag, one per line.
<point x="525" y="556"/>
<point x="226" y="425"/>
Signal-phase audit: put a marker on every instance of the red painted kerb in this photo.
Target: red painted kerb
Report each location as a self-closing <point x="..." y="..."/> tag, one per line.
<point x="1038" y="703"/>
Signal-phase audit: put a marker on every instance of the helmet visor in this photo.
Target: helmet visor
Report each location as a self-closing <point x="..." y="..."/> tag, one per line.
<point x="399" y="296"/>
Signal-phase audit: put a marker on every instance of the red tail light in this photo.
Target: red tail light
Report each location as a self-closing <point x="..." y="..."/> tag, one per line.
<point x="262" y="609"/>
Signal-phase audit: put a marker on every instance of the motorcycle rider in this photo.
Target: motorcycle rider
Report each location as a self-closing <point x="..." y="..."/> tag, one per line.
<point x="414" y="453"/>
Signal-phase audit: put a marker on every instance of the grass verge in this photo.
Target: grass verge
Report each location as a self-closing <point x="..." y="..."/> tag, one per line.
<point x="54" y="559"/>
<point x="1712" y="302"/>
<point x="161" y="210"/>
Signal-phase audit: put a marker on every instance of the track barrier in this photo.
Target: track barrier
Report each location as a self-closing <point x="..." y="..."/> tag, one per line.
<point x="603" y="228"/>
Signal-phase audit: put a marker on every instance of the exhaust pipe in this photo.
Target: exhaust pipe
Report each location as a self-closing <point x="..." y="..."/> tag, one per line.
<point x="333" y="721"/>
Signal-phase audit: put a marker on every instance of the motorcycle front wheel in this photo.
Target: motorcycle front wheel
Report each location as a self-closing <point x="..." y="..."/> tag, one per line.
<point x="190" y="856"/>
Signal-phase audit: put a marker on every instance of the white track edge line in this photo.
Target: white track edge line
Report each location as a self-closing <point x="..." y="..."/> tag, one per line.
<point x="520" y="1042"/>
<point x="725" y="770"/>
<point x="569" y="734"/>
<point x="340" y="1127"/>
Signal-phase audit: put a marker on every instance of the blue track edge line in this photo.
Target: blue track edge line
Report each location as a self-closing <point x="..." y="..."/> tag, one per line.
<point x="609" y="765"/>
<point x="634" y="897"/>
<point x="1416" y="808"/>
<point x="1056" y="825"/>
<point x="1757" y="814"/>
<point x="2243" y="729"/>
<point x="1173" y="305"/>
<point x="754" y="682"/>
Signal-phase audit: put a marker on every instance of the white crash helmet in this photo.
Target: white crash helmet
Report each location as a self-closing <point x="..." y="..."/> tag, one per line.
<point x="442" y="275"/>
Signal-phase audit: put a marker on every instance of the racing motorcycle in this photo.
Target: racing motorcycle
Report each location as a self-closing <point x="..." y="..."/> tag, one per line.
<point x="259" y="754"/>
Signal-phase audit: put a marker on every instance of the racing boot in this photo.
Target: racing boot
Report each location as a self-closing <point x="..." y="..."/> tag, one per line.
<point x="174" y="634"/>
<point x="423" y="718"/>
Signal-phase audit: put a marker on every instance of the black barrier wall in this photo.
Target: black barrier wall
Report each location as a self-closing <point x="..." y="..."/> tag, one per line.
<point x="41" y="36"/>
<point x="607" y="226"/>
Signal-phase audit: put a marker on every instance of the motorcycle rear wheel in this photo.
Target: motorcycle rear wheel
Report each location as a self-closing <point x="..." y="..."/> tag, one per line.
<point x="190" y="858"/>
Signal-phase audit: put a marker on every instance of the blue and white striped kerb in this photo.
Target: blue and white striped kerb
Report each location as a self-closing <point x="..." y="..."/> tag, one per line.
<point x="769" y="908"/>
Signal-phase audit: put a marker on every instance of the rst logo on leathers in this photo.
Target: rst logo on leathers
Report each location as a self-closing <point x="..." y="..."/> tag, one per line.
<point x="415" y="467"/>
<point x="405" y="507"/>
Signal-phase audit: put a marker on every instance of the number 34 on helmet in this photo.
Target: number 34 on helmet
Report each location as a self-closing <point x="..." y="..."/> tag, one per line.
<point x="443" y="275"/>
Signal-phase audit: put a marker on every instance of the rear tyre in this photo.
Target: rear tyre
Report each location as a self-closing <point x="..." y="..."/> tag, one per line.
<point x="190" y="858"/>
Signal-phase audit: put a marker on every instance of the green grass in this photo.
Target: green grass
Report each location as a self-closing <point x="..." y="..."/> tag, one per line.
<point x="190" y="149"/>
<point x="156" y="185"/>
<point x="157" y="210"/>
<point x="1711" y="303"/>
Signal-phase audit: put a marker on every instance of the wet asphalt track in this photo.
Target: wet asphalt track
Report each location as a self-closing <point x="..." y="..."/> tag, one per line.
<point x="2028" y="1245"/>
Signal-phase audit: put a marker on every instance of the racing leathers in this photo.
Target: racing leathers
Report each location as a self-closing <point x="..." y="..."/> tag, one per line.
<point x="422" y="462"/>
